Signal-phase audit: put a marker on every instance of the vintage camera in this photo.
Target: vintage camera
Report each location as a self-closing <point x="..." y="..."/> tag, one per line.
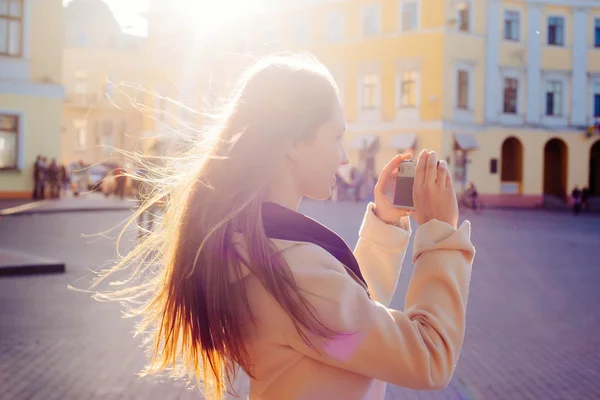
<point x="403" y="194"/>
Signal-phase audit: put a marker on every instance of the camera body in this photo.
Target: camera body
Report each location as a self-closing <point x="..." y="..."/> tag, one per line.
<point x="403" y="193"/>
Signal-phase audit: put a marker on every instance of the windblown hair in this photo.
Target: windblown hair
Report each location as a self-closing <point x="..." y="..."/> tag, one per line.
<point x="188" y="291"/>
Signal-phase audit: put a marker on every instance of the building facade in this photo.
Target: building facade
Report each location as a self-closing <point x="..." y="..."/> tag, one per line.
<point x="103" y="70"/>
<point x="30" y="90"/>
<point x="507" y="91"/>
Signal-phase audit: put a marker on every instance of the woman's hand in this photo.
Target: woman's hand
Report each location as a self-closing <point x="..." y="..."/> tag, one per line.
<point x="384" y="207"/>
<point x="433" y="192"/>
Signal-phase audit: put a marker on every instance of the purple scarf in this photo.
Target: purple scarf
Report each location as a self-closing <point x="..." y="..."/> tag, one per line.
<point x="284" y="224"/>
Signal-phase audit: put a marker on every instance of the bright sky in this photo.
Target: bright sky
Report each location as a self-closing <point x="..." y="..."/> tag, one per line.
<point x="127" y="13"/>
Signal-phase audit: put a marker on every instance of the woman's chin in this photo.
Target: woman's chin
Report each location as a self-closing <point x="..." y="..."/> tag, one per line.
<point x="320" y="195"/>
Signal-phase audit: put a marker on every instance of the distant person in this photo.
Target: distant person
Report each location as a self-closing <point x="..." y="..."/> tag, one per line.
<point x="576" y="195"/>
<point x="43" y="178"/>
<point x="64" y="179"/>
<point x="236" y="276"/>
<point x="472" y="194"/>
<point x="38" y="178"/>
<point x="585" y="199"/>
<point x="120" y="181"/>
<point x="53" y="180"/>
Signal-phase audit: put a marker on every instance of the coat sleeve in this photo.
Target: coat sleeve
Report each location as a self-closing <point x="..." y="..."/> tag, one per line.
<point x="380" y="252"/>
<point x="416" y="348"/>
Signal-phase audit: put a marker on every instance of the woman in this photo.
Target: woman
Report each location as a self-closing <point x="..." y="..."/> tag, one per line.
<point x="244" y="280"/>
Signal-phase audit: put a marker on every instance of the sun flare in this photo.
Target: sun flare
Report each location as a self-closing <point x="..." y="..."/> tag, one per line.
<point x="208" y="15"/>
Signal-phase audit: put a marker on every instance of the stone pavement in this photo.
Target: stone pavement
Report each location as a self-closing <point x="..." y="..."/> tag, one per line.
<point x="532" y="319"/>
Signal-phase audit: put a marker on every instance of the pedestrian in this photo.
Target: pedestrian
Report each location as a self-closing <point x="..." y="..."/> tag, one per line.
<point x="43" y="178"/>
<point x="64" y="179"/>
<point x="576" y="195"/>
<point x="248" y="281"/>
<point x="53" y="179"/>
<point x="120" y="180"/>
<point x="37" y="178"/>
<point x="585" y="199"/>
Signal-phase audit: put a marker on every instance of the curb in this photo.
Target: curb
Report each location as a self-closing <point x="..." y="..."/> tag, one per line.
<point x="3" y="213"/>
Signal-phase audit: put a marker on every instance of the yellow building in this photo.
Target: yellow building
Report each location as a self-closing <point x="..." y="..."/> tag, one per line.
<point x="30" y="90"/>
<point x="503" y="90"/>
<point x="103" y="71"/>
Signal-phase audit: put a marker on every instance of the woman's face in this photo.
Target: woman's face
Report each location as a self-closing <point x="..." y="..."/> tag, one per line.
<point x="317" y="160"/>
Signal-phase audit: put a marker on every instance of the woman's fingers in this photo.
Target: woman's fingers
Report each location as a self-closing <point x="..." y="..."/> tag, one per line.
<point x="442" y="171"/>
<point x="421" y="166"/>
<point x="431" y="169"/>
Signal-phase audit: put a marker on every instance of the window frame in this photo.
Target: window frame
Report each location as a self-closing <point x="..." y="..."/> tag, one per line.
<point x="375" y="88"/>
<point x="415" y="87"/>
<point x="519" y="15"/>
<point x="17" y="131"/>
<point x="20" y="19"/>
<point x="561" y="111"/>
<point x="367" y="8"/>
<point x="460" y="106"/>
<point x="596" y="32"/>
<point x="564" y="30"/>
<point x="469" y="4"/>
<point x="417" y="15"/>
<point x="515" y="93"/>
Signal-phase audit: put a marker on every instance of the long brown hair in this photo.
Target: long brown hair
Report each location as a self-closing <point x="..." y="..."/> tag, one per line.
<point x="189" y="307"/>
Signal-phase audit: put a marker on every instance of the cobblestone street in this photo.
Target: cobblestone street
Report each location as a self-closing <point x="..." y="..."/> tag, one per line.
<point x="532" y="322"/>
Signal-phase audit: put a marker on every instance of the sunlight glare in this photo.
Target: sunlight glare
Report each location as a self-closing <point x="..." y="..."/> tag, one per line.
<point x="208" y="15"/>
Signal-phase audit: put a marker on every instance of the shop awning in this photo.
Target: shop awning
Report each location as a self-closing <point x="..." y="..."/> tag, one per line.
<point x="363" y="141"/>
<point x="466" y="141"/>
<point x="403" y="141"/>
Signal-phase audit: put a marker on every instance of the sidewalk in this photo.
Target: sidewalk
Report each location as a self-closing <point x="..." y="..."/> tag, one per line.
<point x="84" y="203"/>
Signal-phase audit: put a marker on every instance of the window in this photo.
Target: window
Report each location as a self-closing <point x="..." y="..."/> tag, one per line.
<point x="464" y="15"/>
<point x="556" y="31"/>
<point x="9" y="135"/>
<point x="597" y="32"/>
<point x="80" y="135"/>
<point x="511" y="90"/>
<point x="493" y="166"/>
<point x="369" y="91"/>
<point x="370" y="20"/>
<point x="11" y="27"/>
<point x="409" y="16"/>
<point x="408" y="89"/>
<point x="597" y="100"/>
<point x="554" y="96"/>
<point x="511" y="25"/>
<point x="462" y="100"/>
<point x="335" y="26"/>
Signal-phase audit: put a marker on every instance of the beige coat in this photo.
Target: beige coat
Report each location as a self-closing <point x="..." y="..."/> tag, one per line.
<point x="417" y="348"/>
